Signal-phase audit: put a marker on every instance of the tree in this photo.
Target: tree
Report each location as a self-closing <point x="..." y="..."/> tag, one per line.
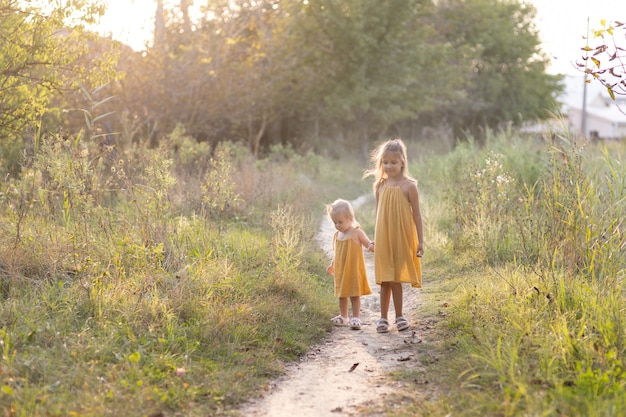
<point x="506" y="78"/>
<point x="372" y="64"/>
<point x="42" y="53"/>
<point x="223" y="78"/>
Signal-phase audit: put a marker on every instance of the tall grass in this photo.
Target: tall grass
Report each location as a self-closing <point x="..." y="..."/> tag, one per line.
<point x="140" y="281"/>
<point x="540" y="317"/>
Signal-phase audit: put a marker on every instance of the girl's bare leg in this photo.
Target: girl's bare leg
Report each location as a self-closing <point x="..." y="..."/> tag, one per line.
<point x="356" y="306"/>
<point x="343" y="306"/>
<point x="385" y="298"/>
<point x="396" y="290"/>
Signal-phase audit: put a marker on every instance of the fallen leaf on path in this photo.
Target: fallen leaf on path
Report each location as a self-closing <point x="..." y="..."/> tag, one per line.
<point x="353" y="367"/>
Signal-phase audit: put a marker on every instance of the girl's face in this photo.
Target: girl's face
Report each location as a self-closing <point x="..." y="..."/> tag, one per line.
<point x="392" y="164"/>
<point x="342" y="222"/>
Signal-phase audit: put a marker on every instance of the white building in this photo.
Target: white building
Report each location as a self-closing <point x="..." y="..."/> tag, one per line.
<point x="605" y="117"/>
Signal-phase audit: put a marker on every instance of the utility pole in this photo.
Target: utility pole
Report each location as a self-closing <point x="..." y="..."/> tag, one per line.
<point x="583" y="126"/>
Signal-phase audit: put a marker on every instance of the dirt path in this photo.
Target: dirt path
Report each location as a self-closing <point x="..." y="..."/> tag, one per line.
<point x="349" y="370"/>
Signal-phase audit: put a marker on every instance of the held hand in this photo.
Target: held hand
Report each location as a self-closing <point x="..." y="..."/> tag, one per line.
<point x="420" y="251"/>
<point x="330" y="269"/>
<point x="371" y="247"/>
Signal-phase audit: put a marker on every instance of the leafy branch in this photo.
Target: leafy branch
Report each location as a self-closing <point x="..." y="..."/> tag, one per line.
<point x="607" y="58"/>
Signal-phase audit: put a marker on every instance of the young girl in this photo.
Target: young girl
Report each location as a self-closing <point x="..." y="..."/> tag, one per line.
<point x="348" y="264"/>
<point x="398" y="236"/>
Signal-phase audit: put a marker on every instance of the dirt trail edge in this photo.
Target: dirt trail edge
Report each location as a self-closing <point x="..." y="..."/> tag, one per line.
<point x="349" y="369"/>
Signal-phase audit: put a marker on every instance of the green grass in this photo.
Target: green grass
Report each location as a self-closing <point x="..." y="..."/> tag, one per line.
<point x="534" y="324"/>
<point x="134" y="304"/>
<point x="113" y="345"/>
<point x="124" y="293"/>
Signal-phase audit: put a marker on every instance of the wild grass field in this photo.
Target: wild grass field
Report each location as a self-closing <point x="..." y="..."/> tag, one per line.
<point x="530" y="234"/>
<point x="174" y="281"/>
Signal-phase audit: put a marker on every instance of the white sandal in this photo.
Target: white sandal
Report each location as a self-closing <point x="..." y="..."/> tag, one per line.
<point x="340" y="321"/>
<point x="382" y="325"/>
<point x="402" y="323"/>
<point x="355" y="323"/>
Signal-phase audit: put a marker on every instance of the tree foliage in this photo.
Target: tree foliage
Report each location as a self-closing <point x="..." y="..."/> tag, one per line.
<point x="44" y="51"/>
<point x="372" y="64"/>
<point x="41" y="55"/>
<point x="227" y="77"/>
<point x="506" y="79"/>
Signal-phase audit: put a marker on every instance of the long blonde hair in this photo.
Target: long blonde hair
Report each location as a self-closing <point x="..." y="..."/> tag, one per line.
<point x="396" y="146"/>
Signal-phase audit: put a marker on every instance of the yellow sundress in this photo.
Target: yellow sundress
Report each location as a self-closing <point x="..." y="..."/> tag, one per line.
<point x="396" y="240"/>
<point x="350" y="275"/>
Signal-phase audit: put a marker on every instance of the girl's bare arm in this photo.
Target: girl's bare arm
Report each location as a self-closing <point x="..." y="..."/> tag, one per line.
<point x="364" y="240"/>
<point x="417" y="217"/>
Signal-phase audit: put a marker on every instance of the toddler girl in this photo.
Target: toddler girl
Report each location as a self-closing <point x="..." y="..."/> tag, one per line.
<point x="348" y="265"/>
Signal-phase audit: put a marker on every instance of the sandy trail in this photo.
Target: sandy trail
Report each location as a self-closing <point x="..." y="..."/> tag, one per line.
<point x="349" y="369"/>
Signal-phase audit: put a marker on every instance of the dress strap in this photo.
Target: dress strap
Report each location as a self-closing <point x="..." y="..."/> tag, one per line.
<point x="408" y="180"/>
<point x="352" y="232"/>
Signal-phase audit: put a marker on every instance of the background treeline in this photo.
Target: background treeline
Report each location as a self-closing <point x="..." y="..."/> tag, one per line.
<point x="279" y="72"/>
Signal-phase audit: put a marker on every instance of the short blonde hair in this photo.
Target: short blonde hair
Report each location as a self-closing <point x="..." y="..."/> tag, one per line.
<point x="341" y="206"/>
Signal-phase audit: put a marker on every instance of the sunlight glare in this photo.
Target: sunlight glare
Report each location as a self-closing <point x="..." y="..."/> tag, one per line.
<point x="132" y="21"/>
<point x="129" y="21"/>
